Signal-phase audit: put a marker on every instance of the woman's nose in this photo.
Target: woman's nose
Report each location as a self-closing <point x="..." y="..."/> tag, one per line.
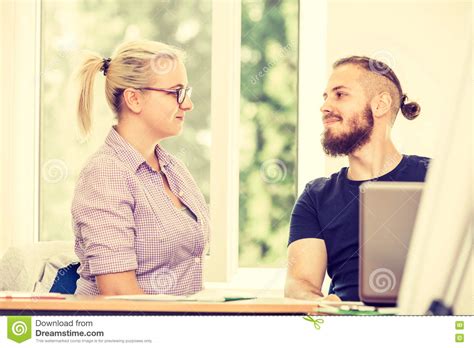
<point x="187" y="105"/>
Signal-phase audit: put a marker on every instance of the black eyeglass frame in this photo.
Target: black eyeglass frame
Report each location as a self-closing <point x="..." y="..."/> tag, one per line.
<point x="181" y="93"/>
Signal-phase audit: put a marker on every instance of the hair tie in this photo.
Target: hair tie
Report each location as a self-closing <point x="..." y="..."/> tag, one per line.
<point x="403" y="99"/>
<point x="105" y="65"/>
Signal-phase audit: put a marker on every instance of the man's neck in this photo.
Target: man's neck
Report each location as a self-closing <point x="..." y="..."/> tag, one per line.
<point x="373" y="160"/>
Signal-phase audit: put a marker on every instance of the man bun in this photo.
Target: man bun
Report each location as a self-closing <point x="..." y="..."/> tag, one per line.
<point x="410" y="110"/>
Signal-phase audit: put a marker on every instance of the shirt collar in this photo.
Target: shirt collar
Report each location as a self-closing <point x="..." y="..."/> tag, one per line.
<point x="163" y="156"/>
<point x="130" y="155"/>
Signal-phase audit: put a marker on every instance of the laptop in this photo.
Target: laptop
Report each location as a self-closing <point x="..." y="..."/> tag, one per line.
<point x="387" y="214"/>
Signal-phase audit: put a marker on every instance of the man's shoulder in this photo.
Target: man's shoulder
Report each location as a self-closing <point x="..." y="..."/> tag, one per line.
<point x="323" y="184"/>
<point x="318" y="184"/>
<point x="418" y="162"/>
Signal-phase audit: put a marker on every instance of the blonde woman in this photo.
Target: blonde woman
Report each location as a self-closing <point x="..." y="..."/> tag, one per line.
<point x="141" y="223"/>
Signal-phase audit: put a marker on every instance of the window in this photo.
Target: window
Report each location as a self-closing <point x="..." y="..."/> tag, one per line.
<point x="71" y="26"/>
<point x="268" y="57"/>
<point x="269" y="46"/>
<point x="268" y="125"/>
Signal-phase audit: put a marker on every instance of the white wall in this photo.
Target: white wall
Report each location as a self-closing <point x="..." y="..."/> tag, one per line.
<point x="424" y="42"/>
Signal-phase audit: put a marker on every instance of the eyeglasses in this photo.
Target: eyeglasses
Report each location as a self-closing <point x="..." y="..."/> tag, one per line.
<point x="181" y="93"/>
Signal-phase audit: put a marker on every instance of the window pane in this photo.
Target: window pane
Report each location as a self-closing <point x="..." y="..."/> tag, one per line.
<point x="71" y="26"/>
<point x="268" y="130"/>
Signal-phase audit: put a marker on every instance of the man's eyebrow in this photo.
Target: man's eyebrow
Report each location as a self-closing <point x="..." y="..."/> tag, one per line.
<point x="335" y="89"/>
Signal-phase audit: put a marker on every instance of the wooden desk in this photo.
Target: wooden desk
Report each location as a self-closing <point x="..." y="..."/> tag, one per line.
<point x="97" y="305"/>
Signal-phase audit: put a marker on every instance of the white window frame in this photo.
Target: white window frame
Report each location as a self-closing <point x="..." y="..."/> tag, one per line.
<point x="20" y="81"/>
<point x="19" y="128"/>
<point x="224" y="174"/>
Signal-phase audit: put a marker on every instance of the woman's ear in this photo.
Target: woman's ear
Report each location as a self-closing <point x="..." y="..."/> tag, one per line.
<point x="381" y="104"/>
<point x="133" y="99"/>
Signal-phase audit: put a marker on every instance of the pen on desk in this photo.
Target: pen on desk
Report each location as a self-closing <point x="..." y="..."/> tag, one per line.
<point x="358" y="308"/>
<point x="348" y="309"/>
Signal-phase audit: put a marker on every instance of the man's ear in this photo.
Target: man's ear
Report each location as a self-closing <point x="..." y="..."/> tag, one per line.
<point x="381" y="104"/>
<point x="133" y="99"/>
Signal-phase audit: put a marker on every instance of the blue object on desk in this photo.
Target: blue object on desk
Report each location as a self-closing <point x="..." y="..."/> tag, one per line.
<point x="66" y="278"/>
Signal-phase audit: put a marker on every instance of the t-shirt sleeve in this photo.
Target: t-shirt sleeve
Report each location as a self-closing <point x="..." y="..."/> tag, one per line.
<point x="304" y="219"/>
<point x="104" y="225"/>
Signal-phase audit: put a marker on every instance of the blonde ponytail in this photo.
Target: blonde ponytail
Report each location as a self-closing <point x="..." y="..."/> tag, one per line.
<point x="134" y="64"/>
<point x="86" y="74"/>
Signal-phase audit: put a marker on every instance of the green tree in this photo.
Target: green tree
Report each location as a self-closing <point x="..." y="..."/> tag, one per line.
<point x="268" y="129"/>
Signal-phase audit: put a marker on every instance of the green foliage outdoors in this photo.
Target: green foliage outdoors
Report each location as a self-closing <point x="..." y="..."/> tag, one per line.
<point x="268" y="130"/>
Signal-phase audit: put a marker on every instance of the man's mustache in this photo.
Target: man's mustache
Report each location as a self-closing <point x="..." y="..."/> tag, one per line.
<point x="331" y="115"/>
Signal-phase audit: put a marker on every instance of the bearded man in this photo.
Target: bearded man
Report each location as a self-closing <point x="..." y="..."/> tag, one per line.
<point x="362" y="99"/>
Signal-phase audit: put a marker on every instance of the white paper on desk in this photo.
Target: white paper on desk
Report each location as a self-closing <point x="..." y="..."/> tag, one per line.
<point x="212" y="295"/>
<point x="339" y="303"/>
<point x="202" y="296"/>
<point x="160" y="297"/>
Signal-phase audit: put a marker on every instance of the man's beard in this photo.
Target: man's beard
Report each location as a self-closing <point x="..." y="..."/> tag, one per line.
<point x="346" y="143"/>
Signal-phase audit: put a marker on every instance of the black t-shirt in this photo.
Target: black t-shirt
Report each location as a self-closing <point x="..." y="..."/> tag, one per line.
<point x="328" y="209"/>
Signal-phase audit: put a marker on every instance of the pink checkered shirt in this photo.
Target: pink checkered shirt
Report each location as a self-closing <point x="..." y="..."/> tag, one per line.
<point x="124" y="220"/>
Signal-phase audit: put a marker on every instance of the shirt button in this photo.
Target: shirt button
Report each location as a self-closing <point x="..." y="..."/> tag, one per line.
<point x="197" y="260"/>
<point x="181" y="193"/>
